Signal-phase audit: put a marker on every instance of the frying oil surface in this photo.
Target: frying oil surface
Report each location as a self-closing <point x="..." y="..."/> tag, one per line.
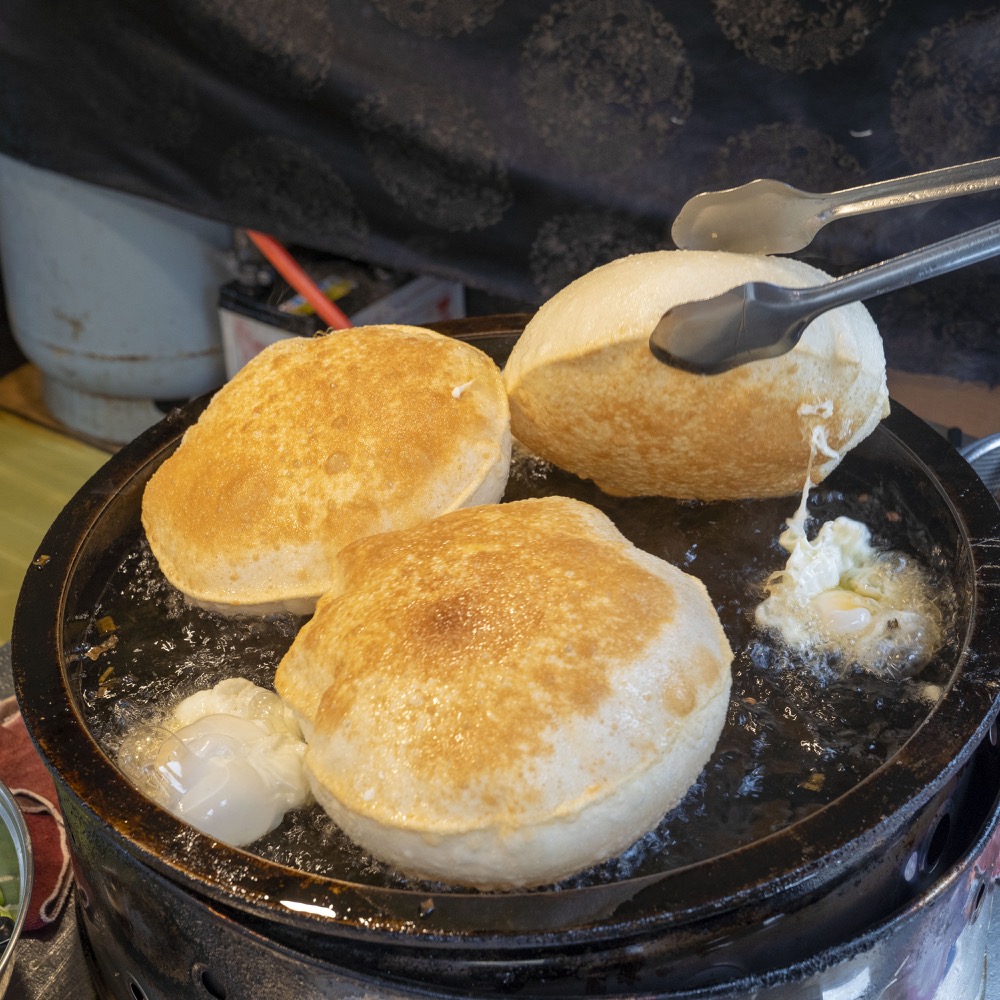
<point x="798" y="734"/>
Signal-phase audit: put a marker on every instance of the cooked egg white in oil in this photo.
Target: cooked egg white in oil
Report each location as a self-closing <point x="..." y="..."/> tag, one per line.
<point x="838" y="594"/>
<point x="228" y="760"/>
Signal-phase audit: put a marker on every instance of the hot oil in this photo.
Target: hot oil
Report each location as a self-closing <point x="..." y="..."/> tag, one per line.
<point x="797" y="735"/>
<point x="165" y="649"/>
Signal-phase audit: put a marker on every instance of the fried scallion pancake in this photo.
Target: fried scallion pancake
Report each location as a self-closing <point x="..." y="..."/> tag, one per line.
<point x="587" y="394"/>
<point x="507" y="694"/>
<point x="318" y="442"/>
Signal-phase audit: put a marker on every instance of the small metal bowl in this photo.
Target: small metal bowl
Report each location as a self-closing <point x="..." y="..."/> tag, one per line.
<point x="13" y="833"/>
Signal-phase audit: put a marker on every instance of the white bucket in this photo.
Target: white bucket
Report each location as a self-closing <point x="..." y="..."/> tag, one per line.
<point x="114" y="298"/>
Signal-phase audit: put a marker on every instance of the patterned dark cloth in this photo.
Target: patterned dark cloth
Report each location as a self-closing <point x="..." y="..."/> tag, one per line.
<point x="515" y="145"/>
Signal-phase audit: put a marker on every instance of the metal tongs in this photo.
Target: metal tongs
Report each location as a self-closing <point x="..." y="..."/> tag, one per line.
<point x="762" y="320"/>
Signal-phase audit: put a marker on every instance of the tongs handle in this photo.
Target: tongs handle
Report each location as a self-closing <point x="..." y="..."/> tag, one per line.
<point x="906" y="269"/>
<point x="931" y="185"/>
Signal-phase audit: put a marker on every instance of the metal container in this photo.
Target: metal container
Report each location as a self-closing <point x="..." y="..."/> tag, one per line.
<point x="112" y="297"/>
<point x="883" y="891"/>
<point x="14" y="832"/>
<point x="984" y="456"/>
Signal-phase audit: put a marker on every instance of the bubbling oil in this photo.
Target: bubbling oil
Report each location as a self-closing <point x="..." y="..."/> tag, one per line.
<point x="797" y="736"/>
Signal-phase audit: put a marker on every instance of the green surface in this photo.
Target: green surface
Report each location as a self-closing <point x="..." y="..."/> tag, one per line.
<point x="10" y="877"/>
<point x="40" y="470"/>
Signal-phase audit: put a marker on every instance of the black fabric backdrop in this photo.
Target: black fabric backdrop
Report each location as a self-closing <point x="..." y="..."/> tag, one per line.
<point x="515" y="145"/>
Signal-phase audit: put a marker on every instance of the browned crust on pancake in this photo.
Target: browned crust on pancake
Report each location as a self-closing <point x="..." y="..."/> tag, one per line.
<point x="672" y="433"/>
<point x="318" y="442"/>
<point x="473" y="644"/>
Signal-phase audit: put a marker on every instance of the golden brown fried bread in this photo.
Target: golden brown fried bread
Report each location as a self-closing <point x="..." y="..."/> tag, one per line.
<point x="507" y="694"/>
<point x="315" y="443"/>
<point x="587" y="394"/>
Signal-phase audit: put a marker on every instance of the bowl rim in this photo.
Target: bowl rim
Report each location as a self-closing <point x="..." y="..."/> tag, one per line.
<point x="14" y="822"/>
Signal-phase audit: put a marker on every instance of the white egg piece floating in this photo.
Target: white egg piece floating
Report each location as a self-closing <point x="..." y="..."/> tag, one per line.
<point x="839" y="594"/>
<point x="228" y="760"/>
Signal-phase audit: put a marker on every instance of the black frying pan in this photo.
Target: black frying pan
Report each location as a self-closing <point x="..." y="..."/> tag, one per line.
<point x="720" y="868"/>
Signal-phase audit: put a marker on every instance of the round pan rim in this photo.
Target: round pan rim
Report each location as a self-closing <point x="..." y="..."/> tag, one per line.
<point x="643" y="905"/>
